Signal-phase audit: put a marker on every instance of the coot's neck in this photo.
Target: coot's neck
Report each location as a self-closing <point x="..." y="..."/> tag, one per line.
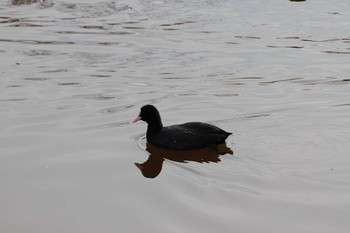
<point x="154" y="127"/>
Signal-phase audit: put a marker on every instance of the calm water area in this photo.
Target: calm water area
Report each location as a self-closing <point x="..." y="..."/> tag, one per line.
<point x="75" y="73"/>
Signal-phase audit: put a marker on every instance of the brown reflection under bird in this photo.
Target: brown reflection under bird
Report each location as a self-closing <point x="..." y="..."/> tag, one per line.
<point x="153" y="165"/>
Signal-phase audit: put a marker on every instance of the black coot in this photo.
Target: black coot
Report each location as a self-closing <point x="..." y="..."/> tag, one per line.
<point x="192" y="135"/>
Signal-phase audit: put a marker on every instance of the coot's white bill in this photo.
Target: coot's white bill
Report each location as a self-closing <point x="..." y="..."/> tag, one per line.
<point x="136" y="119"/>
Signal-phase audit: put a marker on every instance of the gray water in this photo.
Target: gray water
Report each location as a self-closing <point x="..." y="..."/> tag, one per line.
<point x="74" y="74"/>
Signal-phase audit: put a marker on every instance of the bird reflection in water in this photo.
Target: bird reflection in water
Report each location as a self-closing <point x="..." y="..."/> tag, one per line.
<point x="153" y="165"/>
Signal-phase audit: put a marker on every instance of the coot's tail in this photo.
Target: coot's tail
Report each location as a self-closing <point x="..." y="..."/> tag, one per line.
<point x="223" y="136"/>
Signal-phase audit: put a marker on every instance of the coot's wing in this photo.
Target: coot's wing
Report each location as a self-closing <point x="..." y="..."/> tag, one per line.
<point x="209" y="130"/>
<point x="191" y="135"/>
<point x="177" y="137"/>
<point x="182" y="133"/>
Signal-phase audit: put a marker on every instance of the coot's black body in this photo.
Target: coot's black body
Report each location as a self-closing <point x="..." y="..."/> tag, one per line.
<point x="192" y="135"/>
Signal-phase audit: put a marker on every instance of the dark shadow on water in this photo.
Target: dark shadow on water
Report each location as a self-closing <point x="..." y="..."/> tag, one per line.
<point x="20" y="2"/>
<point x="153" y="165"/>
<point x="23" y="2"/>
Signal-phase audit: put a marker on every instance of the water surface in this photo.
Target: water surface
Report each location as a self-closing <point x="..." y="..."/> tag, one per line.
<point x="73" y="75"/>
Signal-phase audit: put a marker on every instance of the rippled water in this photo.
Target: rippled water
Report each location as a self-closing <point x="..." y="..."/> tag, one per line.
<point x="73" y="75"/>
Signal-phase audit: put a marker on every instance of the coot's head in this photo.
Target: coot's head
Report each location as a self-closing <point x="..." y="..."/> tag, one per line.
<point x="149" y="114"/>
